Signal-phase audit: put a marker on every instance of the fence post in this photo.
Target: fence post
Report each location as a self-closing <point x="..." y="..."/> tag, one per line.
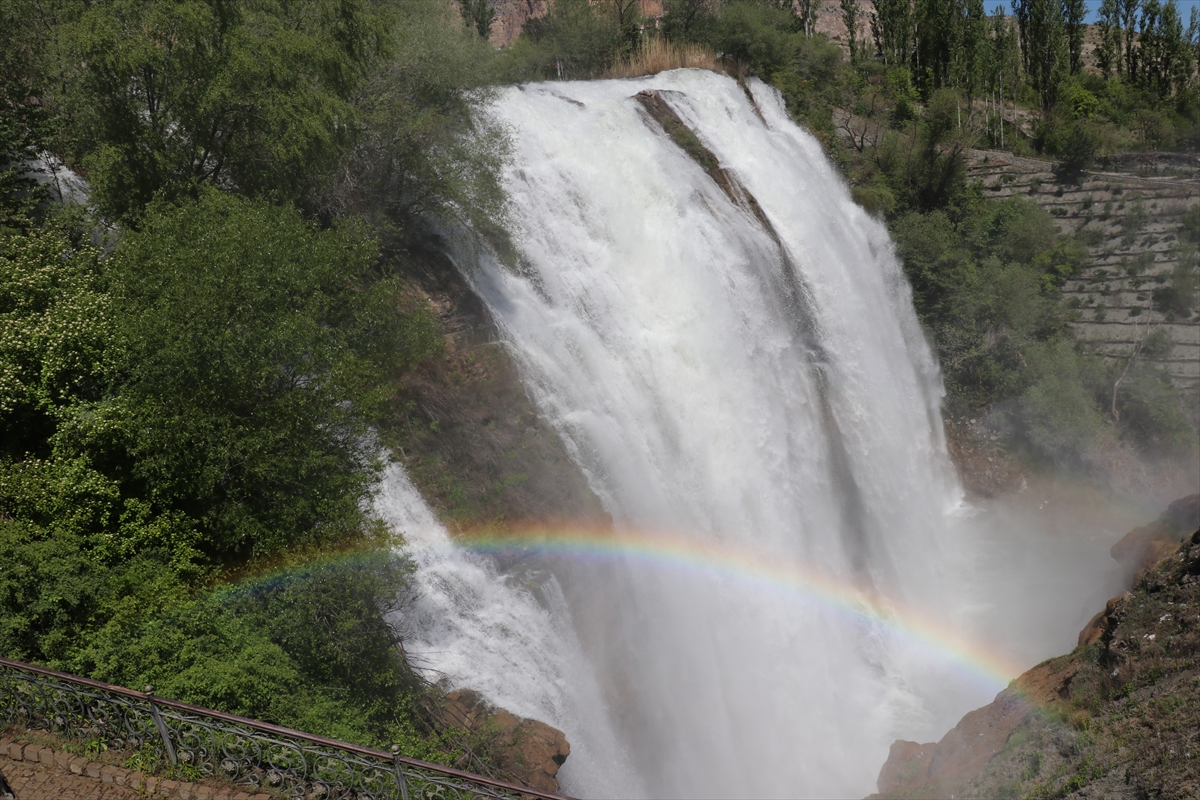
<point x="162" y="726"/>
<point x="400" y="776"/>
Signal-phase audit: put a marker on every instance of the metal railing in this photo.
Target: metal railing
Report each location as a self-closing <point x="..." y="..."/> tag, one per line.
<point x="245" y="752"/>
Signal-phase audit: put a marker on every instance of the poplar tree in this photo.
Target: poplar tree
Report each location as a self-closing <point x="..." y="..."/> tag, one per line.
<point x="970" y="54"/>
<point x="806" y="13"/>
<point x="1164" y="63"/>
<point x="1109" y="52"/>
<point x="1074" y="12"/>
<point x="892" y="29"/>
<point x="936" y="27"/>
<point x="1042" y="45"/>
<point x="1129" y="13"/>
<point x="850" y="12"/>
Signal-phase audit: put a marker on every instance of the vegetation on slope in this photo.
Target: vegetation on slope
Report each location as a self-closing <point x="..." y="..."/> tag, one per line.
<point x="1117" y="717"/>
<point x="190" y="372"/>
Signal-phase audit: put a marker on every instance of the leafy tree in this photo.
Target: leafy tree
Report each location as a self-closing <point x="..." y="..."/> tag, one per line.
<point x="1128" y="12"/>
<point x="159" y="97"/>
<point x="423" y="149"/>
<point x="757" y="35"/>
<point x="479" y="15"/>
<point x="1164" y="62"/>
<point x="573" y="40"/>
<point x="937" y="23"/>
<point x="687" y="20"/>
<point x="892" y="28"/>
<point x="1108" y="52"/>
<point x="850" y="15"/>
<point x="805" y="13"/>
<point x="1074" y="12"/>
<point x="1042" y="45"/>
<point x="24" y="126"/>
<point x="255" y="346"/>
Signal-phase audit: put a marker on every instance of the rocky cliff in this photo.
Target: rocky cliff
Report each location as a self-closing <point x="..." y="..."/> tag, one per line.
<point x="1117" y="717"/>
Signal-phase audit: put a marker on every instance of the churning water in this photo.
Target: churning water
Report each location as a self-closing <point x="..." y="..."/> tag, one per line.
<point x="750" y="379"/>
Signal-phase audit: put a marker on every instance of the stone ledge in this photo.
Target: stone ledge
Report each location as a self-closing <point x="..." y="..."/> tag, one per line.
<point x="13" y="749"/>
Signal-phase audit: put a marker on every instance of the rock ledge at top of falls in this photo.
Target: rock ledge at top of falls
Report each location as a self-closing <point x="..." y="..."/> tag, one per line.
<point x="524" y="750"/>
<point x="1117" y="717"/>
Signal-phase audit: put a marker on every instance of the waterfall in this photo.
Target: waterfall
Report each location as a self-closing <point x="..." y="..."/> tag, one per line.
<point x="741" y="365"/>
<point x="507" y="636"/>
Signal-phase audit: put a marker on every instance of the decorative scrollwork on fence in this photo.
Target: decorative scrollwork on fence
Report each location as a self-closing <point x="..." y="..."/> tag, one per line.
<point x="244" y="752"/>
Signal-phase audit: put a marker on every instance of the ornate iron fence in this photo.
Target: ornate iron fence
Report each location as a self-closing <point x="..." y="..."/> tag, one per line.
<point x="246" y="752"/>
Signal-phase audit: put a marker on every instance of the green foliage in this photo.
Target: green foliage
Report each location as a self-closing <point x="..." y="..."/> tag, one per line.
<point x="1149" y="406"/>
<point x="757" y="35"/>
<point x="23" y="121"/>
<point x="575" y="39"/>
<point x="254" y="349"/>
<point x="56" y="336"/>
<point x="925" y="164"/>
<point x="985" y="278"/>
<point x="688" y="20"/>
<point x="1179" y="297"/>
<point x="195" y="399"/>
<point x="423" y="148"/>
<point x="478" y="15"/>
<point x="308" y="648"/>
<point x="159" y="97"/>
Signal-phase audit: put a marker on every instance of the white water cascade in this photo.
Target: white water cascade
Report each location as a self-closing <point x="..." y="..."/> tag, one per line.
<point x="769" y="392"/>
<point x="507" y="636"/>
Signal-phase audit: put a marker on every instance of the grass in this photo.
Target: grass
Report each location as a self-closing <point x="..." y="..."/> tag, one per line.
<point x="658" y="55"/>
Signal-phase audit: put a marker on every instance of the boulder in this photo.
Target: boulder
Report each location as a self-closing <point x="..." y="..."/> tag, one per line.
<point x="524" y="750"/>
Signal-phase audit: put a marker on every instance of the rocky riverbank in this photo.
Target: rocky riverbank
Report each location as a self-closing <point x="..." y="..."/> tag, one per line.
<point x="1117" y="717"/>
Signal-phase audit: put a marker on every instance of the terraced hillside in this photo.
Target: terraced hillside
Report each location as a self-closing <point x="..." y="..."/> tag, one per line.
<point x="1132" y="226"/>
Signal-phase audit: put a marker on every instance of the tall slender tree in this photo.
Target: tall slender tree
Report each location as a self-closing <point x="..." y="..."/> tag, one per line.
<point x="1129" y="17"/>
<point x="1109" y="51"/>
<point x="806" y="14"/>
<point x="850" y="16"/>
<point x="1043" y="45"/>
<point x="1074" y="12"/>
<point x="892" y="28"/>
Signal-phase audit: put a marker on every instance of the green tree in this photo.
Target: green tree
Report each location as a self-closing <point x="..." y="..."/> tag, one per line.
<point x="1128" y="15"/>
<point x="687" y="20"/>
<point x="1074" y="12"/>
<point x="159" y="97"/>
<point x="850" y="16"/>
<point x="478" y="15"/>
<point x="423" y="149"/>
<point x="255" y="349"/>
<point x="1109" y="51"/>
<point x="892" y="28"/>
<point x="24" y="126"/>
<point x="1164" y="63"/>
<point x="1043" y="46"/>
<point x="573" y="40"/>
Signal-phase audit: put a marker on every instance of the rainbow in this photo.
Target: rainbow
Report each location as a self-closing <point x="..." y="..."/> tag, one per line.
<point x="759" y="573"/>
<point x="690" y="555"/>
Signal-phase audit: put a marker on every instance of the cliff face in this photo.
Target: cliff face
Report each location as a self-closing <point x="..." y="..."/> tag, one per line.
<point x="1132" y="226"/>
<point x="1118" y="717"/>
